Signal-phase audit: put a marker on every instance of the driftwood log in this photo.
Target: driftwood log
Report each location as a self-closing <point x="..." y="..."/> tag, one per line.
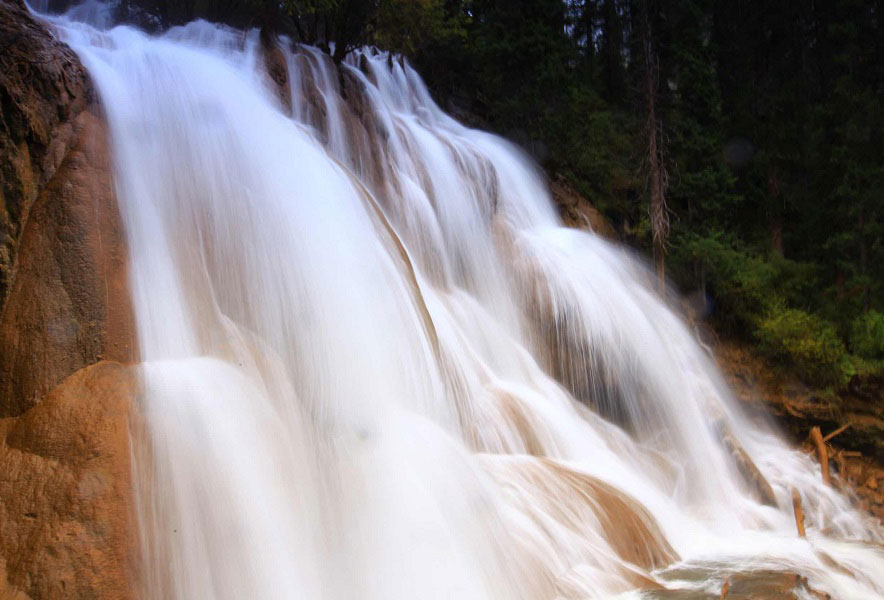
<point x="799" y="512"/>
<point x="822" y="454"/>
<point x="745" y="465"/>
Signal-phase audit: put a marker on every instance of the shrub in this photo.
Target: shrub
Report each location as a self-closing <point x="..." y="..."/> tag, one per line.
<point x="807" y="343"/>
<point x="741" y="283"/>
<point x="867" y="335"/>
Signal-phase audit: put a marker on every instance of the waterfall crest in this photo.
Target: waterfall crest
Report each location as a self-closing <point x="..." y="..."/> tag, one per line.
<point x="375" y="365"/>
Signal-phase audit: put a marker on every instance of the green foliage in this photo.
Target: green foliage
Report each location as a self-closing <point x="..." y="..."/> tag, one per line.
<point x="805" y="342"/>
<point x="598" y="150"/>
<point x="296" y="7"/>
<point x="409" y="26"/>
<point x="756" y="296"/>
<point x="746" y="285"/>
<point x="741" y="282"/>
<point x="867" y="335"/>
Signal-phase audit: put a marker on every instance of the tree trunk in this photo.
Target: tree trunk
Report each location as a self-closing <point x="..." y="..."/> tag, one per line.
<point x="863" y="256"/>
<point x="610" y="57"/>
<point x="589" y="23"/>
<point x="656" y="167"/>
<point x="776" y="220"/>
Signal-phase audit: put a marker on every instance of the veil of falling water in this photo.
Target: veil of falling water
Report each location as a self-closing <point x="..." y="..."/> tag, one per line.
<point x="376" y="366"/>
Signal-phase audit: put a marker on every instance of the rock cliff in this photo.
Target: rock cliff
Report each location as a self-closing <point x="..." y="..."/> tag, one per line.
<point x="66" y="330"/>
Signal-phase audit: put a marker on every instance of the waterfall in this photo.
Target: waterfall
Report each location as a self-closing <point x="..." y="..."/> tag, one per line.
<point x="375" y="365"/>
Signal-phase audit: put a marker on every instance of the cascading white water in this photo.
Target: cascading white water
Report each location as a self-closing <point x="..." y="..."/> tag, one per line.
<point x="376" y="366"/>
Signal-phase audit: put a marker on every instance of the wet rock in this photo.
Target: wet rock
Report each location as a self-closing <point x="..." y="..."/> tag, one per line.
<point x="64" y="300"/>
<point x="577" y="211"/>
<point x="42" y="88"/>
<point x="746" y="585"/>
<point x="68" y="302"/>
<point x="275" y="67"/>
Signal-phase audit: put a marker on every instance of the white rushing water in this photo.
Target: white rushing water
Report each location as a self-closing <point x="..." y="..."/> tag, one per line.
<point x="376" y="365"/>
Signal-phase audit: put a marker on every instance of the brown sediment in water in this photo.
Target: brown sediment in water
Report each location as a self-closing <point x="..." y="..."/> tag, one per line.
<point x="581" y="504"/>
<point x="628" y="526"/>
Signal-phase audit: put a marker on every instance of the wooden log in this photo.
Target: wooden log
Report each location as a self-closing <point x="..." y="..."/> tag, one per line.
<point x="842" y="466"/>
<point x="836" y="432"/>
<point x="822" y="454"/>
<point x="799" y="513"/>
<point x="745" y="465"/>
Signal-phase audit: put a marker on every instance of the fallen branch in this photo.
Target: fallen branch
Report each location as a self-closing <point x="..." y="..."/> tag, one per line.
<point x="836" y="432"/>
<point x="791" y="410"/>
<point x="745" y="465"/>
<point x="822" y="454"/>
<point x="799" y="513"/>
<point x="842" y="465"/>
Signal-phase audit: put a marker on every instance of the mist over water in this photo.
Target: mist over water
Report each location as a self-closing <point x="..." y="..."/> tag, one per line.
<point x="375" y="365"/>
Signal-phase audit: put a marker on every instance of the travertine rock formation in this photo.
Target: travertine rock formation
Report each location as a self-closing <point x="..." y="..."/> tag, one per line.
<point x="66" y="523"/>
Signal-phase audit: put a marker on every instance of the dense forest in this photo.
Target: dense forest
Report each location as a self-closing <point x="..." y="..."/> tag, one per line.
<point x="737" y="142"/>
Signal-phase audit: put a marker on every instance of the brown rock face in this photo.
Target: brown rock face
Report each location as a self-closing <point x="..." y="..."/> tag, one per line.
<point x="68" y="305"/>
<point x="66" y="514"/>
<point x="42" y="88"/>
<point x="274" y="64"/>
<point x="577" y="211"/>
<point x="63" y="293"/>
<point x="66" y="524"/>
